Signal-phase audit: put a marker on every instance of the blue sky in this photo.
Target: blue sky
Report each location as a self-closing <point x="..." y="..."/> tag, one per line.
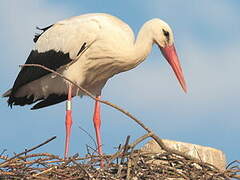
<point x="207" y="40"/>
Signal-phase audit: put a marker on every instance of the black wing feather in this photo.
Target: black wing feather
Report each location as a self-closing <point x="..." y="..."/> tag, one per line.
<point x="50" y="100"/>
<point x="50" y="59"/>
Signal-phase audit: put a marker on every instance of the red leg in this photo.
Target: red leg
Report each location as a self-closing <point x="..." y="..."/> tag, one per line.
<point x="97" y="125"/>
<point x="68" y="122"/>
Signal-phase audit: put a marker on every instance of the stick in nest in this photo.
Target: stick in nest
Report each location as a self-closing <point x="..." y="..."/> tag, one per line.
<point x="27" y="151"/>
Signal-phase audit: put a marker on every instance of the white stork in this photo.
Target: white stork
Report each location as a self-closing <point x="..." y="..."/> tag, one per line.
<point x="88" y="49"/>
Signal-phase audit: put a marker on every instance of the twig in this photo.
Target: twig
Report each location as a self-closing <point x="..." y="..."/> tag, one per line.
<point x="140" y="139"/>
<point x="129" y="167"/>
<point x="45" y="171"/>
<point x="120" y="167"/>
<point x="83" y="169"/>
<point x="3" y="152"/>
<point x="236" y="161"/>
<point x="24" y="152"/>
<point x="125" y="149"/>
<point x="132" y="145"/>
<point x="119" y="147"/>
<point x="89" y="135"/>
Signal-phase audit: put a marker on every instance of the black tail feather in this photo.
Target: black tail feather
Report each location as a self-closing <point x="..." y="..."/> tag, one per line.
<point x="21" y="101"/>
<point x="41" y="29"/>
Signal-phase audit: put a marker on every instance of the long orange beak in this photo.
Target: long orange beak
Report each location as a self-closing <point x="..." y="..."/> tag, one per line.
<point x="170" y="54"/>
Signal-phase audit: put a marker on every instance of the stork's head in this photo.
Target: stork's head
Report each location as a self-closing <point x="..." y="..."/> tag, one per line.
<point x="163" y="37"/>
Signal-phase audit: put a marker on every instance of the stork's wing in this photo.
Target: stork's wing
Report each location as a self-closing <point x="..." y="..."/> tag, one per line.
<point x="59" y="45"/>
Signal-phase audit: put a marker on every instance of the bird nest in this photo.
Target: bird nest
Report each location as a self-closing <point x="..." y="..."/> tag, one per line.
<point x="126" y="163"/>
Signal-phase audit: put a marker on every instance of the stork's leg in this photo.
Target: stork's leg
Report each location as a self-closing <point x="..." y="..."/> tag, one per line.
<point x="97" y="125"/>
<point x="68" y="122"/>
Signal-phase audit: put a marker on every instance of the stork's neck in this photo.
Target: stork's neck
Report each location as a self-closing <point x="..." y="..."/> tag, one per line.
<point x="143" y="44"/>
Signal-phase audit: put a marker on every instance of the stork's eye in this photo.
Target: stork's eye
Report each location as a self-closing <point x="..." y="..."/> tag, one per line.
<point x="166" y="34"/>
